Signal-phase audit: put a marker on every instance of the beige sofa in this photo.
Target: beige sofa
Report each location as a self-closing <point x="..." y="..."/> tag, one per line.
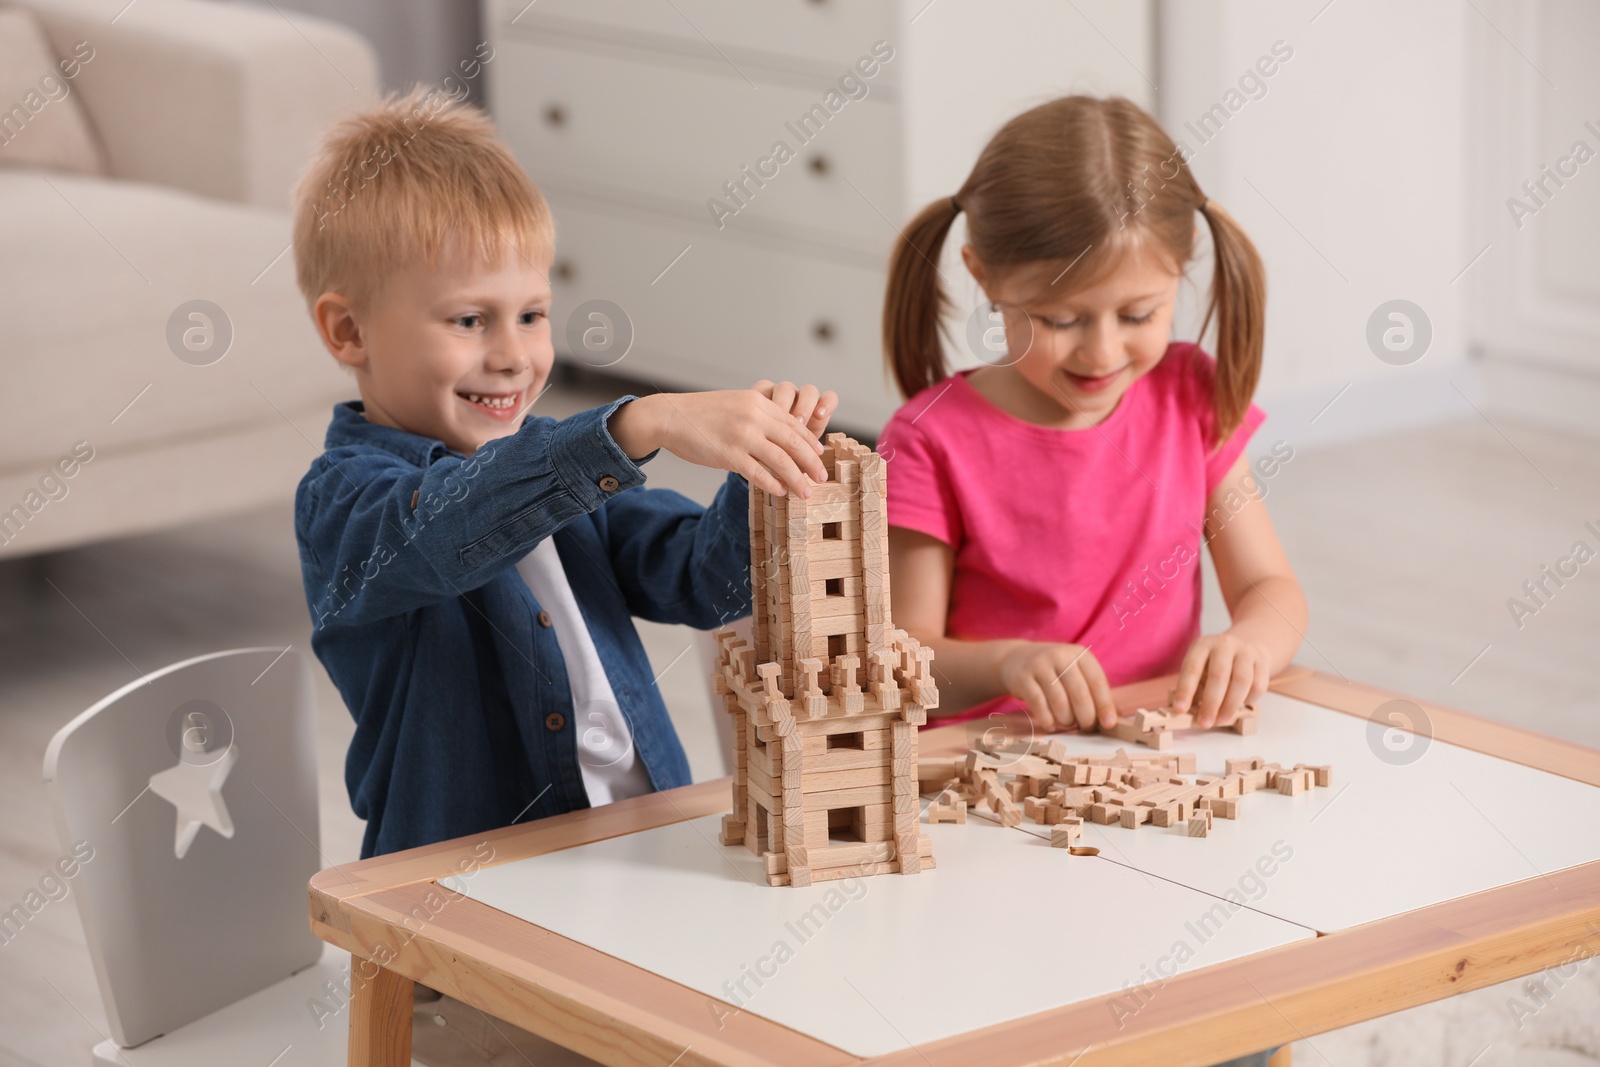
<point x="205" y="113"/>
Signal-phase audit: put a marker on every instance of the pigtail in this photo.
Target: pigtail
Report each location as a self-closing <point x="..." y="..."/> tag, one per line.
<point x="915" y="302"/>
<point x="1239" y="304"/>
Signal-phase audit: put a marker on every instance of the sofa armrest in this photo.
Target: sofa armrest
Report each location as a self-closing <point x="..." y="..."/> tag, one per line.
<point x="223" y="100"/>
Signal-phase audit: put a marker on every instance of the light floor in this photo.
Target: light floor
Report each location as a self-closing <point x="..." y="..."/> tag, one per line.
<point x="1408" y="547"/>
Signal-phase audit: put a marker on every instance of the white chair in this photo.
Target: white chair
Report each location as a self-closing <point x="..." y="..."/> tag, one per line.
<point x="190" y="798"/>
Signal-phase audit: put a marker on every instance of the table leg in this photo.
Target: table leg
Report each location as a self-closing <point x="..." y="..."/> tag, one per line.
<point x="380" y="1016"/>
<point x="1284" y="1057"/>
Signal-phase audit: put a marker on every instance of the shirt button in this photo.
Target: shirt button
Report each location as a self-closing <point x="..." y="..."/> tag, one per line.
<point x="609" y="484"/>
<point x="554" y="721"/>
<point x="544" y="619"/>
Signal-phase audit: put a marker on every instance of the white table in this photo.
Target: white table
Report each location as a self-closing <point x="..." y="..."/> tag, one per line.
<point x="619" y="931"/>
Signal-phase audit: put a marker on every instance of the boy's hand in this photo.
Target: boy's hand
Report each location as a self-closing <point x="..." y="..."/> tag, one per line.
<point x="1220" y="674"/>
<point x="804" y="402"/>
<point x="1063" y="686"/>
<point x="739" y="430"/>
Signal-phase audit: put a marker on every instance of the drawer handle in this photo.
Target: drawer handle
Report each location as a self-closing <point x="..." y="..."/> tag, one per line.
<point x="823" y="331"/>
<point x="820" y="165"/>
<point x="555" y="115"/>
<point x="563" y="271"/>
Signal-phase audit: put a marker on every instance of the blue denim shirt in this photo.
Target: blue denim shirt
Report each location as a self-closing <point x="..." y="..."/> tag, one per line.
<point x="463" y="710"/>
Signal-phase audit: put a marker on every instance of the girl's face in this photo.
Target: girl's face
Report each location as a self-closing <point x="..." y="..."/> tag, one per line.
<point x="1079" y="351"/>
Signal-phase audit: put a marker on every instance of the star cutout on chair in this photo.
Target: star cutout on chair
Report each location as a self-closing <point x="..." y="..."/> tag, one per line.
<point x="196" y="791"/>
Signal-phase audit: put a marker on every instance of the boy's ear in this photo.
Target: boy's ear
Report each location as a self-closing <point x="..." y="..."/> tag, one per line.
<point x="340" y="332"/>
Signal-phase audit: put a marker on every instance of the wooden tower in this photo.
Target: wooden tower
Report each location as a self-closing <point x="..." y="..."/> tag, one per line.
<point x="827" y="703"/>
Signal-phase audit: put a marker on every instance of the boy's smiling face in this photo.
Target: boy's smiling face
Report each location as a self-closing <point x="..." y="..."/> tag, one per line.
<point x="456" y="350"/>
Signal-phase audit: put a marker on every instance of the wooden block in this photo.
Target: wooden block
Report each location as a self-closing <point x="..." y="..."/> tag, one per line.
<point x="847" y="778"/>
<point x="1000" y="804"/>
<point x="827" y="551"/>
<point x="906" y="852"/>
<point x="1199" y="825"/>
<point x="1290" y="784"/>
<point x="835" y="607"/>
<point x="840" y="514"/>
<point x="1222" y="808"/>
<point x="1322" y="774"/>
<point x="1062" y="835"/>
<point x="1105" y="814"/>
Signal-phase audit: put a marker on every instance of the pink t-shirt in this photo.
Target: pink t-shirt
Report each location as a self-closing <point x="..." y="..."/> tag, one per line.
<point x="1089" y="537"/>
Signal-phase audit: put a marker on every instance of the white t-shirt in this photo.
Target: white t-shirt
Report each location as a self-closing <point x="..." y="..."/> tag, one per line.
<point x="611" y="768"/>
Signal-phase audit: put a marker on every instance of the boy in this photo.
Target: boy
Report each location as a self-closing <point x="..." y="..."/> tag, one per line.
<point x="472" y="570"/>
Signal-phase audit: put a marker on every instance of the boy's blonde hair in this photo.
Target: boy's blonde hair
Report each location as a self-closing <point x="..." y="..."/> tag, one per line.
<point x="387" y="187"/>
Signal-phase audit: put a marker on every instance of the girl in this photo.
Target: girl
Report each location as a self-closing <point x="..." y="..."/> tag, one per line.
<point x="1047" y="510"/>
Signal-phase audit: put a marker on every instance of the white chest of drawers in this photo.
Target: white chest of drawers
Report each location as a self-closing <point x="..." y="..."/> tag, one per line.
<point x="732" y="174"/>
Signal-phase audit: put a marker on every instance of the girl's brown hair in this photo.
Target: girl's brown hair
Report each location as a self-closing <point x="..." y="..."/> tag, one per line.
<point x="1078" y="182"/>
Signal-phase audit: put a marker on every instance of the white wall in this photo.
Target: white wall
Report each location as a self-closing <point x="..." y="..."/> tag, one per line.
<point x="1348" y="173"/>
<point x="974" y="65"/>
<point x="1535" y="98"/>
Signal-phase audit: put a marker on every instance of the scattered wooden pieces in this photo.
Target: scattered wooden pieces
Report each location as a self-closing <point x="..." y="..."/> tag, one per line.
<point x="1153" y="727"/>
<point x="1049" y="786"/>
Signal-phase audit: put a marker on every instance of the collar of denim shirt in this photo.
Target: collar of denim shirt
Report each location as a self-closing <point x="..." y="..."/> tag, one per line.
<point x="350" y="426"/>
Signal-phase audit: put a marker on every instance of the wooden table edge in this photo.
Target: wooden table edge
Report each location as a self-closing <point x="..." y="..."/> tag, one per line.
<point x="587" y="1000"/>
<point x="565" y="990"/>
<point x="371" y="897"/>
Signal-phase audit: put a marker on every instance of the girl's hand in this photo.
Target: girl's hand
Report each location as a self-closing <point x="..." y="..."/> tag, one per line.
<point x="1063" y="686"/>
<point x="1220" y="674"/>
<point x="804" y="402"/>
<point x="739" y="430"/>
